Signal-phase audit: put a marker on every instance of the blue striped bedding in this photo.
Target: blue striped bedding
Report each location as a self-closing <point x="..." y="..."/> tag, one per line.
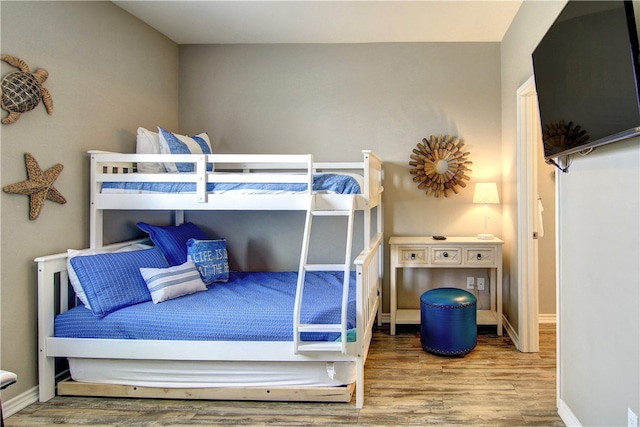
<point x="325" y="182"/>
<point x="249" y="307"/>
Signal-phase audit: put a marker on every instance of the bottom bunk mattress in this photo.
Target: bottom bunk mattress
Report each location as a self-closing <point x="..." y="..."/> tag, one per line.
<point x="249" y="307"/>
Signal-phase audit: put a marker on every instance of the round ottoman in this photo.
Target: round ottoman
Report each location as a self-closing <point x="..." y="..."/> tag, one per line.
<point x="448" y="321"/>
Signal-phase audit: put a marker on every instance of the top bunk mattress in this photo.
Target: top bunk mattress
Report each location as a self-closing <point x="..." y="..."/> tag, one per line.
<point x="249" y="307"/>
<point x="328" y="183"/>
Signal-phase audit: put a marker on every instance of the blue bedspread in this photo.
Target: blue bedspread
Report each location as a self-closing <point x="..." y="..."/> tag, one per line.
<point x="333" y="183"/>
<point x="250" y="307"/>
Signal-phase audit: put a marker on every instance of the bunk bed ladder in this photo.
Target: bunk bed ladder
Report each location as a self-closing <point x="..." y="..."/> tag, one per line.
<point x="347" y="210"/>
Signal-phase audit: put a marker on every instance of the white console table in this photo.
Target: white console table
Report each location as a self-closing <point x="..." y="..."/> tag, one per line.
<point x="454" y="252"/>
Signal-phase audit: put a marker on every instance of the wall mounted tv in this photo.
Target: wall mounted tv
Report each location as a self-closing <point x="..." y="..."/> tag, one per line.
<point x="586" y="73"/>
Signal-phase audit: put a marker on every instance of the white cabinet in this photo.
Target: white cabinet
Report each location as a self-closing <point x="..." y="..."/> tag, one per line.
<point x="454" y="252"/>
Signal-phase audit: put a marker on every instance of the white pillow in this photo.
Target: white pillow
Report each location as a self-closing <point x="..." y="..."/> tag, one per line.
<point x="173" y="143"/>
<point x="73" y="277"/>
<point x="148" y="142"/>
<point x="173" y="282"/>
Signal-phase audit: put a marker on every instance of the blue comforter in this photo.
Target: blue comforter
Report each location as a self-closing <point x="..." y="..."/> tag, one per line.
<point x="333" y="183"/>
<point x="249" y="307"/>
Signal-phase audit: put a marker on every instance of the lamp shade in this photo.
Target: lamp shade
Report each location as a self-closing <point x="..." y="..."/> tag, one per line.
<point x="486" y="192"/>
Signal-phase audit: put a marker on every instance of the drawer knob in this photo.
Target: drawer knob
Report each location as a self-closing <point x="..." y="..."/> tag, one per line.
<point x="445" y="254"/>
<point x="478" y="256"/>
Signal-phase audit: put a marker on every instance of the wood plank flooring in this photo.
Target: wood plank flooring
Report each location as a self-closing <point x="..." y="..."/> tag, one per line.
<point x="494" y="385"/>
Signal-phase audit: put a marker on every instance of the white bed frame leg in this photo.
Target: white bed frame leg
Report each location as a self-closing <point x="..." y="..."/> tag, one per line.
<point x="46" y="378"/>
<point x="359" y="383"/>
<point x="47" y="267"/>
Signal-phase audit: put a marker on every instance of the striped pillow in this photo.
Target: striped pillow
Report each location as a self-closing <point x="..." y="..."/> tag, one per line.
<point x="173" y="143"/>
<point x="173" y="282"/>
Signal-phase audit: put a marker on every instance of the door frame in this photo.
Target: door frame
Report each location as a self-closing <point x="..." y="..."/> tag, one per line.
<point x="528" y="134"/>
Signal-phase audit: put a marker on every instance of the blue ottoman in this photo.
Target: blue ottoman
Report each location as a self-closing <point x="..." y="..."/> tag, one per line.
<point x="448" y="321"/>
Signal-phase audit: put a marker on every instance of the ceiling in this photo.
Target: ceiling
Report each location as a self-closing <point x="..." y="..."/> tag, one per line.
<point x="325" y="21"/>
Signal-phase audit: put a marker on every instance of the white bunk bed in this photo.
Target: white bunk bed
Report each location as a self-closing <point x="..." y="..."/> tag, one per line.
<point x="53" y="297"/>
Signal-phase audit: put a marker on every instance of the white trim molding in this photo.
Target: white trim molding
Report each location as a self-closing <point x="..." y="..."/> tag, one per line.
<point x="510" y="330"/>
<point x="528" y="134"/>
<point x="567" y="415"/>
<point x="547" y="318"/>
<point x="19" y="402"/>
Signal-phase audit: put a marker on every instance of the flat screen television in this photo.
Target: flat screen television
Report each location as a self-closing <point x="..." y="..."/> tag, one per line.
<point x="586" y="74"/>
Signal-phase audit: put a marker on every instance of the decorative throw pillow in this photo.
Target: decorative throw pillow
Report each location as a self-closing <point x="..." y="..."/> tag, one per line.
<point x="172" y="239"/>
<point x="211" y="259"/>
<point x="173" y="282"/>
<point x="148" y="142"/>
<point x="73" y="277"/>
<point x="112" y="280"/>
<point x="173" y="143"/>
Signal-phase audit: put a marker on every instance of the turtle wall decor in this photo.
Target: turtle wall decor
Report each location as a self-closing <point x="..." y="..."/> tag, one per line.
<point x="440" y="165"/>
<point x="22" y="90"/>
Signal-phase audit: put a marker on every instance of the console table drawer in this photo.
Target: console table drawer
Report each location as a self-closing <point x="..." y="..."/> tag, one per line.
<point x="408" y="255"/>
<point x="480" y="256"/>
<point x="446" y="255"/>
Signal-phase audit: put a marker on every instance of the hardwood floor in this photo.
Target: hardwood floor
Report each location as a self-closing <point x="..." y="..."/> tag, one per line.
<point x="494" y="385"/>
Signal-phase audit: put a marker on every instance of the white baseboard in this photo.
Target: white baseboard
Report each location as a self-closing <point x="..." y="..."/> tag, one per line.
<point x="567" y="416"/>
<point x="19" y="402"/>
<point x="546" y="318"/>
<point x="513" y="334"/>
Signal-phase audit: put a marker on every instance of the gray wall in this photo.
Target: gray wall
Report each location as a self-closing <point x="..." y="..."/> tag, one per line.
<point x="109" y="74"/>
<point x="598" y="232"/>
<point x="335" y="100"/>
<point x="599" y="320"/>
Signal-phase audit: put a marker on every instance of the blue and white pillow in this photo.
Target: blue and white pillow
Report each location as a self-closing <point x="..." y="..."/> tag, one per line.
<point x="173" y="282"/>
<point x="73" y="277"/>
<point x="172" y="239"/>
<point x="112" y="280"/>
<point x="211" y="259"/>
<point x="173" y="143"/>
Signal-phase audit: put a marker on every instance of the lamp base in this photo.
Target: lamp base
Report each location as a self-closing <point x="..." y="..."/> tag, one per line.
<point x="486" y="236"/>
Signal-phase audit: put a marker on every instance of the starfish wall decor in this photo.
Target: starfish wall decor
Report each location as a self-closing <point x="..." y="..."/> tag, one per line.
<point x="39" y="186"/>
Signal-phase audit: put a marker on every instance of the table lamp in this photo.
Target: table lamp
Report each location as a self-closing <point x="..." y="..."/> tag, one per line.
<point x="486" y="192"/>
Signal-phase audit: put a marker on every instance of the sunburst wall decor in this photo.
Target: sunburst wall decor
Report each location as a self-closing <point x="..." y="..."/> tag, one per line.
<point x="440" y="165"/>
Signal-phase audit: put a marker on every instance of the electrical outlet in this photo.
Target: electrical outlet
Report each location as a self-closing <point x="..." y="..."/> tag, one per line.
<point x="632" y="418"/>
<point x="481" y="283"/>
<point x="470" y="282"/>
